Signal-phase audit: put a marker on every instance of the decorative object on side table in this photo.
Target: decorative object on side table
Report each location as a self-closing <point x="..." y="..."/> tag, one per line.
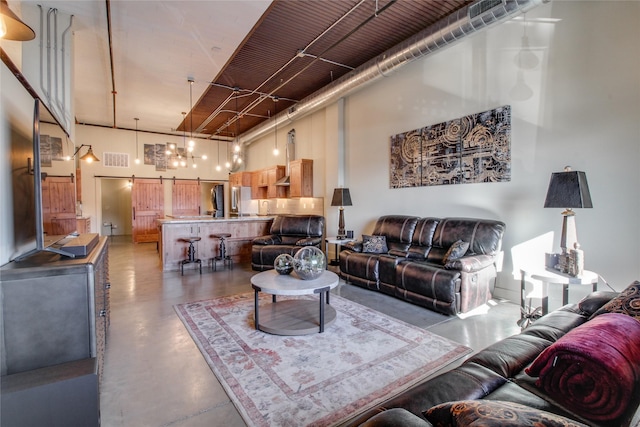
<point x="569" y="189"/>
<point x="283" y="264"/>
<point x="342" y="198"/>
<point x="309" y="263"/>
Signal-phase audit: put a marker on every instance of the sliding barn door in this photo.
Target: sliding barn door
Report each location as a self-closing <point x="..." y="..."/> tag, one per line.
<point x="186" y="198"/>
<point x="147" y="200"/>
<point x="59" y="205"/>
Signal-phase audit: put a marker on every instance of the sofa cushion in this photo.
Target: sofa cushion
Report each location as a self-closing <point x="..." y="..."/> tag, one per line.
<point x="374" y="244"/>
<point x="398" y="229"/>
<point x="298" y="225"/>
<point x="484" y="236"/>
<point x="627" y="302"/>
<point x="488" y="413"/>
<point x="456" y="250"/>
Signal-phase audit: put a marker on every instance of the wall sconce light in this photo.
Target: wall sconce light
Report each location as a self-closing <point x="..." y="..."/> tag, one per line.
<point x="341" y="197"/>
<point x="89" y="157"/>
<point x="12" y="27"/>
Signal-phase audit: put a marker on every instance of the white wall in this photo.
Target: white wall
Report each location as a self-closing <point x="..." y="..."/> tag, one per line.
<point x="584" y="113"/>
<point x="123" y="141"/>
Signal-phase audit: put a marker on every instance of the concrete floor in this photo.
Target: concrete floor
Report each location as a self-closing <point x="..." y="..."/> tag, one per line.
<point x="154" y="374"/>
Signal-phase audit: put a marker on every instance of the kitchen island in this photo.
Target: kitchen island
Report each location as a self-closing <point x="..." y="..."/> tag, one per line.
<point x="242" y="229"/>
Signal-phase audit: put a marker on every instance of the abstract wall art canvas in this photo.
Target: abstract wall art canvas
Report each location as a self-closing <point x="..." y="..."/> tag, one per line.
<point x="471" y="149"/>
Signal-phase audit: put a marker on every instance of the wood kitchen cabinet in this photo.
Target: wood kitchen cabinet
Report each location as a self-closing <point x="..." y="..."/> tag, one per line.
<point x="275" y="191"/>
<point x="263" y="183"/>
<point x="240" y="179"/>
<point x="301" y="174"/>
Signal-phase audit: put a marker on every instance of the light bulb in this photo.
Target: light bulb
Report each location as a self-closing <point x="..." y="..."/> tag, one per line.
<point x="276" y="151"/>
<point x="194" y="166"/>
<point x="204" y="157"/>
<point x="218" y="168"/>
<point x="227" y="165"/>
<point x="67" y="158"/>
<point x="183" y="163"/>
<point x="137" y="161"/>
<point x="239" y="160"/>
<point x="236" y="148"/>
<point x="89" y="160"/>
<point x="190" y="149"/>
<point x="172" y="146"/>
<point x="191" y="143"/>
<point x="168" y="152"/>
<point x="175" y="163"/>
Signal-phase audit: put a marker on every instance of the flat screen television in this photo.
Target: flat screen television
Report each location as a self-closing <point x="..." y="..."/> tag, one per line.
<point x="27" y="177"/>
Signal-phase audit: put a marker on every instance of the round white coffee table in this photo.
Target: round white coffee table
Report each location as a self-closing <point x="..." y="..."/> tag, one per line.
<point x="294" y="316"/>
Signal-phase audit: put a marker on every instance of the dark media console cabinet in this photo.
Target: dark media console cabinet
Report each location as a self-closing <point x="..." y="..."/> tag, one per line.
<point x="53" y="325"/>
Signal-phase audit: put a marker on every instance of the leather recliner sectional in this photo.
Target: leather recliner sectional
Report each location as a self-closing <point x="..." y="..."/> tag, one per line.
<point x="412" y="267"/>
<point x="497" y="373"/>
<point x="289" y="233"/>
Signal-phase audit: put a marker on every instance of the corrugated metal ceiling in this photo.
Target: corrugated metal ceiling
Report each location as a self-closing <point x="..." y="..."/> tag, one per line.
<point x="334" y="36"/>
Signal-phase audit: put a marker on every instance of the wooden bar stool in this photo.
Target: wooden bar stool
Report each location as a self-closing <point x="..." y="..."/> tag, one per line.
<point x="191" y="253"/>
<point x="222" y="252"/>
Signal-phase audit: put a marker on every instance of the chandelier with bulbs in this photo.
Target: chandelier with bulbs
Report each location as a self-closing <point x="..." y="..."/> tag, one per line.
<point x="179" y="156"/>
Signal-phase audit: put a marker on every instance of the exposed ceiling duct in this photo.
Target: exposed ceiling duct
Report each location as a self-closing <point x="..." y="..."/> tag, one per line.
<point x="457" y="26"/>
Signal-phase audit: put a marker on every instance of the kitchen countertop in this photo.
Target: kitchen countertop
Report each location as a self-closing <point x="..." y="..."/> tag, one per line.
<point x="208" y="218"/>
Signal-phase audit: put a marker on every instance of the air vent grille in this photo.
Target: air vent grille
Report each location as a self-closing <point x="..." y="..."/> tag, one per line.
<point x="482" y="7"/>
<point x="115" y="160"/>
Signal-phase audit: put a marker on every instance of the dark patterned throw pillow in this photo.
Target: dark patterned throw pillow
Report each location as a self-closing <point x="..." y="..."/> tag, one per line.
<point x="374" y="244"/>
<point x="490" y="413"/>
<point x="628" y="302"/>
<point x="457" y="250"/>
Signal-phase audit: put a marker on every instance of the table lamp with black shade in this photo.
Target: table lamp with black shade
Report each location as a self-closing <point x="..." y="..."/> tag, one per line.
<point x="569" y="190"/>
<point x="341" y="197"/>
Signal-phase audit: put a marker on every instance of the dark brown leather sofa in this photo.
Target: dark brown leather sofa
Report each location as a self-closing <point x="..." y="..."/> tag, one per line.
<point x="497" y="374"/>
<point x="412" y="268"/>
<point x="289" y="233"/>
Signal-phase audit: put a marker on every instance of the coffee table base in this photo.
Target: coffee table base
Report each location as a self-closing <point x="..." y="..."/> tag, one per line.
<point x="294" y="317"/>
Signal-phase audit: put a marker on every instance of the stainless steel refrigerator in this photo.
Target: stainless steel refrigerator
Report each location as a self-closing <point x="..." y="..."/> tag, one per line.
<point x="240" y="203"/>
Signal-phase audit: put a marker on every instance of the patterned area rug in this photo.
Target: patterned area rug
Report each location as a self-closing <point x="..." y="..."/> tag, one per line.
<point x="360" y="360"/>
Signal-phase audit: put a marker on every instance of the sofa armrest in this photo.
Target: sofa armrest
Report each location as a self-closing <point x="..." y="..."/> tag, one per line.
<point x="354" y="245"/>
<point x="271" y="239"/>
<point x="396" y="417"/>
<point x="592" y="302"/>
<point x="309" y="241"/>
<point x="470" y="263"/>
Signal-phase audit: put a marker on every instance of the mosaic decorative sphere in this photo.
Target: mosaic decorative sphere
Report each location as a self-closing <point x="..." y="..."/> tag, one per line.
<point x="309" y="263"/>
<point x="283" y="264"/>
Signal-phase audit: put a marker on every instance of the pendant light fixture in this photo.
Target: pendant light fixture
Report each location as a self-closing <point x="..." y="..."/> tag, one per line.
<point x="236" y="146"/>
<point x="191" y="143"/>
<point x="227" y="164"/>
<point x="275" y="122"/>
<point x="218" y="168"/>
<point x="137" y="157"/>
<point x="12" y="27"/>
